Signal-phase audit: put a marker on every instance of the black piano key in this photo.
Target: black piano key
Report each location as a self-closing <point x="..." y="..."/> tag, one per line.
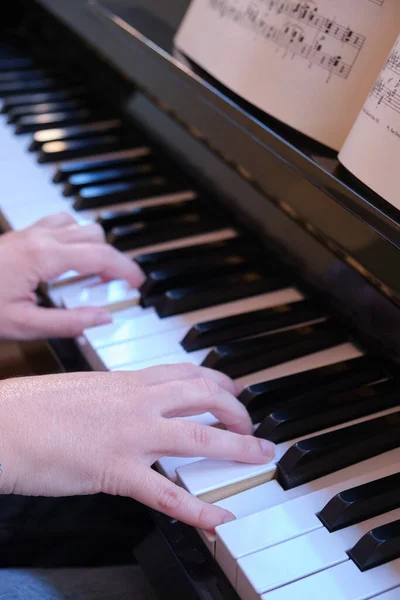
<point x="191" y="271"/>
<point x="80" y="180"/>
<point x="45" y="107"/>
<point x="85" y="131"/>
<point x="317" y="456"/>
<point x="42" y="84"/>
<point x="225" y="289"/>
<point x="219" y="331"/>
<point x="377" y="547"/>
<point x="59" y="151"/>
<point x="246" y="356"/>
<point x="303" y="417"/>
<point x="28" y="74"/>
<point x="314" y="384"/>
<point x="32" y="99"/>
<point x="137" y="235"/>
<point x="147" y="214"/>
<point x="122" y="159"/>
<point x="158" y="260"/>
<point x="361" y="503"/>
<point x="113" y="193"/>
<point x="41" y="122"/>
<point x="14" y="63"/>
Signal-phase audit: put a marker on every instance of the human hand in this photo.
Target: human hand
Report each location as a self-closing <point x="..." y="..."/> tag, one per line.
<point x="45" y="250"/>
<point x="85" y="433"/>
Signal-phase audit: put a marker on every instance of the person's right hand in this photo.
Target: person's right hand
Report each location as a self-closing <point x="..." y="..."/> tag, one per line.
<point x="85" y="433"/>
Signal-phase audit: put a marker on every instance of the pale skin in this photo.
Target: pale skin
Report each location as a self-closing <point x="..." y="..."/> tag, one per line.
<point x="85" y="433"/>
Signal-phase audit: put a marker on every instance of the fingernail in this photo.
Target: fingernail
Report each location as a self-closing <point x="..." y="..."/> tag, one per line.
<point x="268" y="448"/>
<point x="103" y="318"/>
<point x="228" y="519"/>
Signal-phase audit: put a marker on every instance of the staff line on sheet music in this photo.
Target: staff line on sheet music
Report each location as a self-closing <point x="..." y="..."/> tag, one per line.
<point x="290" y="36"/>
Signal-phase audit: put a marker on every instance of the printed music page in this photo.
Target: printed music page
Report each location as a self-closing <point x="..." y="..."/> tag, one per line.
<point x="309" y="64"/>
<point x="372" y="150"/>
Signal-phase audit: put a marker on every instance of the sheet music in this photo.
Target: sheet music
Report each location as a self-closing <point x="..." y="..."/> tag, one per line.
<point x="301" y="62"/>
<point x="372" y="150"/>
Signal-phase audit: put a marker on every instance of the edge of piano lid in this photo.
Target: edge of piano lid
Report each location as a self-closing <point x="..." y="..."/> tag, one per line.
<point x="339" y="236"/>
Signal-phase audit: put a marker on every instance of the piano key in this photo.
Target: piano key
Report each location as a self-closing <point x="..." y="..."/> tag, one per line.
<point x="377" y="547"/>
<point x="224" y="289"/>
<point x="155" y="260"/>
<point x="278" y="521"/>
<point x="41" y="122"/>
<point x="44" y="107"/>
<point x="60" y="151"/>
<point x="313" y="457"/>
<point x="38" y="98"/>
<point x="79" y="180"/>
<point x="137" y="235"/>
<point x="85" y="131"/>
<point x="24" y="75"/>
<point x="361" y="502"/>
<point x="114" y="193"/>
<point x="213" y="480"/>
<point x="113" y="160"/>
<point x="218" y="331"/>
<point x="124" y="328"/>
<point x="11" y="88"/>
<point x="342" y="582"/>
<point x="114" y="295"/>
<point x="315" y="383"/>
<point x="114" y="218"/>
<point x="300" y="557"/>
<point x="188" y="271"/>
<point x="306" y="415"/>
<point x="18" y="62"/>
<point x="242" y="357"/>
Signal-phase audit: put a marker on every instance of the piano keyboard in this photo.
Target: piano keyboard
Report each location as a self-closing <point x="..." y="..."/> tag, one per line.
<point x="323" y="517"/>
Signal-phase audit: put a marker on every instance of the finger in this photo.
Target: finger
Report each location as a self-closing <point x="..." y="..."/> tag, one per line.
<point x="41" y="322"/>
<point x="163" y="373"/>
<point x="55" y="221"/>
<point x="100" y="259"/>
<point x="164" y="496"/>
<point x="74" y="234"/>
<point x="187" y="439"/>
<point x="184" y="398"/>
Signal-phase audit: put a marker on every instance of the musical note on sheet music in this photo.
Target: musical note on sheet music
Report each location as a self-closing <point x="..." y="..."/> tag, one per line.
<point x="386" y="91"/>
<point x="298" y="29"/>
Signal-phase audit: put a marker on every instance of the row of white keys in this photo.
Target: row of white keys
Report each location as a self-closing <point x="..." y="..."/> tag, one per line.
<point x="157" y="345"/>
<point x="288" y="519"/>
<point x="301" y="557"/>
<point x="342" y="582"/>
<point x="125" y="327"/>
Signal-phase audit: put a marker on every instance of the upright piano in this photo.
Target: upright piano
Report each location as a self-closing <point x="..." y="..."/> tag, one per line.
<point x="264" y="259"/>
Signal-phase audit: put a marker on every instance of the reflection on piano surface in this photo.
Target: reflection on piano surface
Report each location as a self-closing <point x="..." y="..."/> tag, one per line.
<point x="325" y="514"/>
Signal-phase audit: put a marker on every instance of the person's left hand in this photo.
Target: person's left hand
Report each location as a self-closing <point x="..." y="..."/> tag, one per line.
<point x="42" y="252"/>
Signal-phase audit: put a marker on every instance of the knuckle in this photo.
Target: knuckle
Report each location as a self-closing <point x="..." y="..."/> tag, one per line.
<point x="250" y="445"/>
<point x="169" y="499"/>
<point x="201" y="435"/>
<point x="209" y="387"/>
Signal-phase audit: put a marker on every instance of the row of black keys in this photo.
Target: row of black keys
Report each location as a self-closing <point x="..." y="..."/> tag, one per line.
<point x="357" y="504"/>
<point x="98" y="183"/>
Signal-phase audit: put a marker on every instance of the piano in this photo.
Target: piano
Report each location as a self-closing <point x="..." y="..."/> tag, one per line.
<point x="264" y="259"/>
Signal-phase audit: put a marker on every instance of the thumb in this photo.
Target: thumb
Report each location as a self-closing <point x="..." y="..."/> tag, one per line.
<point x="56" y="322"/>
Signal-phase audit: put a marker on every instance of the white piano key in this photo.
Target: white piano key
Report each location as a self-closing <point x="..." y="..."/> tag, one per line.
<point x="277" y="524"/>
<point x="342" y="582"/>
<point x="126" y="328"/>
<point x="300" y="557"/>
<point x="213" y="480"/>
<point x="113" y="295"/>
